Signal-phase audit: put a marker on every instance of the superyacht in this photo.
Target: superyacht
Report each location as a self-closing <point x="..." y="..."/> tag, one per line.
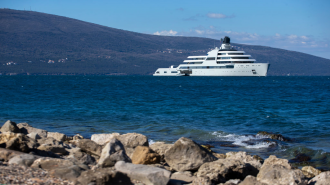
<point x="223" y="61"/>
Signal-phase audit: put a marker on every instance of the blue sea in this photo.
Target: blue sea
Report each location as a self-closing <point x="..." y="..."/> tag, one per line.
<point x="226" y="112"/>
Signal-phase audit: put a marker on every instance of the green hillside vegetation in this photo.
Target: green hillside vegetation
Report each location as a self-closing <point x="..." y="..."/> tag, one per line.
<point x="31" y="41"/>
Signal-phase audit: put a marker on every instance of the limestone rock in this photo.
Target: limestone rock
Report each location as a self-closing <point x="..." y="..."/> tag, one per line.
<point x="310" y="171"/>
<point x="7" y="154"/>
<point x="10" y="126"/>
<point x="181" y="177"/>
<point x="67" y="169"/>
<point x="89" y="147"/>
<point x="102" y="139"/>
<point x="17" y="143"/>
<point x="112" y="152"/>
<point x="224" y="169"/>
<point x="277" y="171"/>
<point x="146" y="174"/>
<point x="186" y="155"/>
<point x="131" y="141"/>
<point x="83" y="158"/>
<point x="57" y="136"/>
<point x="160" y="148"/>
<point x="144" y="155"/>
<point x="77" y="137"/>
<point x="23" y="160"/>
<point x="34" y="136"/>
<point x="5" y="137"/>
<point x="321" y="179"/>
<point x="251" y="180"/>
<point x="27" y="129"/>
<point x="103" y="176"/>
<point x="252" y="163"/>
<point x="202" y="181"/>
<point x="219" y="156"/>
<point x="59" y="150"/>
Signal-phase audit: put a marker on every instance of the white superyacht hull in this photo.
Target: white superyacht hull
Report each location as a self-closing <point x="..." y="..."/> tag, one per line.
<point x="252" y="69"/>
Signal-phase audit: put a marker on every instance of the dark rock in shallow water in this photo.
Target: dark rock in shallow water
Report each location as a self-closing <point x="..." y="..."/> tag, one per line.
<point x="273" y="136"/>
<point x="301" y="158"/>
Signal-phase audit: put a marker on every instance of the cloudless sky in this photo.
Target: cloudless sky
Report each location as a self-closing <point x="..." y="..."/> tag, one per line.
<point x="299" y="25"/>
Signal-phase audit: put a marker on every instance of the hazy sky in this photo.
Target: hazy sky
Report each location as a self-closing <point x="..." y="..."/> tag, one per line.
<point x="299" y="25"/>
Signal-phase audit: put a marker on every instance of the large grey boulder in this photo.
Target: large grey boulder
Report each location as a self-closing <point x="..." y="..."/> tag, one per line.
<point x="187" y="155"/>
<point x="63" y="168"/>
<point x="27" y="129"/>
<point x="112" y="152"/>
<point x="321" y="179"/>
<point x="103" y="176"/>
<point x="251" y="180"/>
<point x="148" y="175"/>
<point x="102" y="139"/>
<point x="277" y="171"/>
<point x="131" y="141"/>
<point x="23" y="160"/>
<point x="221" y="170"/>
<point x="89" y="147"/>
<point x="252" y="162"/>
<point x="10" y="126"/>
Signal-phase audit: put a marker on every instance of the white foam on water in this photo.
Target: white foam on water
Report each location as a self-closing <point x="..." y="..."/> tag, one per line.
<point x="151" y="142"/>
<point x="240" y="140"/>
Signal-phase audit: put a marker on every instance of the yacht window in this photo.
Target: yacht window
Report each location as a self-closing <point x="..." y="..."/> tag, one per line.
<point x="157" y="72"/>
<point x="211" y="58"/>
<point x="174" y="72"/>
<point x="225" y="57"/>
<point x="165" y="71"/>
<point x="240" y="57"/>
<point x="235" y="53"/>
<point x="222" y="53"/>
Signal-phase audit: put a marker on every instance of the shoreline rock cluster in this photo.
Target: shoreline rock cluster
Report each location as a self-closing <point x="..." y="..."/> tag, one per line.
<point x="129" y="159"/>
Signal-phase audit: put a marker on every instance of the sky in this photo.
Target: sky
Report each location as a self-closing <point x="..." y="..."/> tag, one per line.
<point x="297" y="25"/>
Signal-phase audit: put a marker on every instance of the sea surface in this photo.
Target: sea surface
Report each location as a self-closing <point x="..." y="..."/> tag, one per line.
<point x="226" y="112"/>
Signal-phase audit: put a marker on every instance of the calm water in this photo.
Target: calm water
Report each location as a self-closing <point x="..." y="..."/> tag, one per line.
<point x="221" y="111"/>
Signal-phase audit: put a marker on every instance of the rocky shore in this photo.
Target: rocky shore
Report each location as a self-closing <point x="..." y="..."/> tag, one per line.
<point x="30" y="155"/>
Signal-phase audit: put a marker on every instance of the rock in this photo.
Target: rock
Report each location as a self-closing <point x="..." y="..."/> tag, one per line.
<point x="146" y="174"/>
<point x="248" y="159"/>
<point x="103" y="176"/>
<point x="219" y="156"/>
<point x="5" y="137"/>
<point x="301" y="158"/>
<point x="277" y="171"/>
<point x="57" y="136"/>
<point x="131" y="141"/>
<point x="83" y="158"/>
<point x="23" y="160"/>
<point x="160" y="148"/>
<point x="310" y="171"/>
<point x="186" y="155"/>
<point x="17" y="143"/>
<point x="89" y="147"/>
<point x="202" y="181"/>
<point x="181" y="178"/>
<point x="273" y="136"/>
<point x="59" y="150"/>
<point x="144" y="155"/>
<point x="34" y="136"/>
<point x="27" y="129"/>
<point x="321" y="179"/>
<point x="224" y="169"/>
<point x="77" y="137"/>
<point x="112" y="152"/>
<point x="102" y="139"/>
<point x="67" y="169"/>
<point x="10" y="126"/>
<point x="49" y="141"/>
<point x="7" y="154"/>
<point x="251" y="180"/>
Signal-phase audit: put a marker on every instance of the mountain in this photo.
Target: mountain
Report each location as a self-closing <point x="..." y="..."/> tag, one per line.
<point x="39" y="43"/>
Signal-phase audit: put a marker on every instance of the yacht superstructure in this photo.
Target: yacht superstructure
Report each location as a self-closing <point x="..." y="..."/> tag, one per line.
<point x="223" y="61"/>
